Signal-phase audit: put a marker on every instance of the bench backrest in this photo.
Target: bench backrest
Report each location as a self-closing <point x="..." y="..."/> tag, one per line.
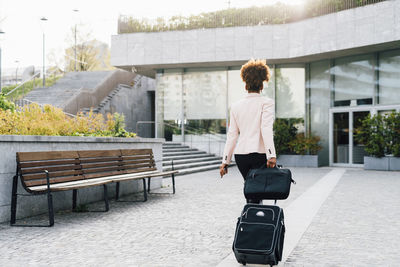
<point x="66" y="166"/>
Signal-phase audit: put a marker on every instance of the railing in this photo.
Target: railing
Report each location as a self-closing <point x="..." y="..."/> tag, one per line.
<point x="273" y="14"/>
<point x="37" y="74"/>
<point x="212" y="137"/>
<point x="18" y="96"/>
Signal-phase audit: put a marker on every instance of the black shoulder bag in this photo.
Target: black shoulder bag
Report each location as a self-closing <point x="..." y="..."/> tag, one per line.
<point x="268" y="183"/>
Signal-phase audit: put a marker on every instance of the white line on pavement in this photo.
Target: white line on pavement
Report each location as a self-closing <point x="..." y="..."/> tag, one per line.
<point x="300" y="213"/>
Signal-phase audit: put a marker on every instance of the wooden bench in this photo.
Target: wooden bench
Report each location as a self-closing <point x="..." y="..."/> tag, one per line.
<point x="51" y="171"/>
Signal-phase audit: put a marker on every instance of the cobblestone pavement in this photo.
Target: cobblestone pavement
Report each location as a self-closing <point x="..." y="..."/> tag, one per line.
<point x="358" y="225"/>
<point x="192" y="228"/>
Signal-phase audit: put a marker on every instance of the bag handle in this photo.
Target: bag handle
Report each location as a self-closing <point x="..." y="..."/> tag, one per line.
<point x="264" y="166"/>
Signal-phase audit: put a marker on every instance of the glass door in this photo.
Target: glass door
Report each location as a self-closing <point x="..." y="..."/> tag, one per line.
<point x="341" y="137"/>
<point x="345" y="150"/>
<point x="358" y="147"/>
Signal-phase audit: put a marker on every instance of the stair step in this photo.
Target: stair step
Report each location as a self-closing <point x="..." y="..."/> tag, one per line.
<point x="193" y="156"/>
<point x="174" y="146"/>
<point x="168" y="150"/>
<point x="168" y="143"/>
<point x="200" y="169"/>
<point x="192" y="165"/>
<point x="186" y="160"/>
<point x="184" y="153"/>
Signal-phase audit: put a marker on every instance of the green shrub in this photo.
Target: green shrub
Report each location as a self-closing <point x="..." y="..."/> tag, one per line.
<point x="27" y="87"/>
<point x="302" y="145"/>
<point x="49" y="120"/>
<point x="284" y="133"/>
<point x="5" y="104"/>
<point x="392" y="123"/>
<point x="372" y="134"/>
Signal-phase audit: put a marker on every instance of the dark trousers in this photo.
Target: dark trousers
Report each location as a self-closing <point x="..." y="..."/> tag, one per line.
<point x="245" y="162"/>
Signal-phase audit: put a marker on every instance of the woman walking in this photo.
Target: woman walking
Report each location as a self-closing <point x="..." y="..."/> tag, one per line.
<point x="251" y="120"/>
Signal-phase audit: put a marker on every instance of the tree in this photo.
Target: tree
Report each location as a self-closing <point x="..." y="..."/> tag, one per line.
<point x="90" y="54"/>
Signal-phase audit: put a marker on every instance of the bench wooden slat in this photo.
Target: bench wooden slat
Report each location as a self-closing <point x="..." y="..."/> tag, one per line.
<point x="140" y="176"/>
<point x="101" y="170"/>
<point x="53" y="180"/>
<point x="98" y="165"/>
<point x="51" y="175"/>
<point x="136" y="166"/>
<point x="46" y="155"/>
<point x="136" y="157"/>
<point x="48" y="163"/>
<point x="98" y="153"/>
<point x="50" y="169"/>
<point x="131" y="152"/>
<point x="106" y="159"/>
<point x="132" y="162"/>
<point x="138" y="170"/>
<point x="98" y="175"/>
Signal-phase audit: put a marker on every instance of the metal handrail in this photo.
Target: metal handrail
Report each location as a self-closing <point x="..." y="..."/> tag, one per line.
<point x="32" y="77"/>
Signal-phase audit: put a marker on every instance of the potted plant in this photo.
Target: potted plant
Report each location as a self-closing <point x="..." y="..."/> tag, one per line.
<point x="295" y="149"/>
<point x="381" y="137"/>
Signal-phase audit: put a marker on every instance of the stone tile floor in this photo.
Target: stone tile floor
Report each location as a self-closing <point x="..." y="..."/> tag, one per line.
<point x="356" y="226"/>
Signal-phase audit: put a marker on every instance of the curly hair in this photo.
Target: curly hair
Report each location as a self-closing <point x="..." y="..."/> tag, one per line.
<point x="254" y="73"/>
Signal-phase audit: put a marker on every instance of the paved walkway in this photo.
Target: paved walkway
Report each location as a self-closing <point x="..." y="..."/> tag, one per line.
<point x="357" y="225"/>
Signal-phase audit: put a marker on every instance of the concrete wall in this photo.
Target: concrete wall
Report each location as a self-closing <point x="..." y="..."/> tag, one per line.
<point x="357" y="30"/>
<point x="87" y="98"/>
<point x="33" y="205"/>
<point x="137" y="104"/>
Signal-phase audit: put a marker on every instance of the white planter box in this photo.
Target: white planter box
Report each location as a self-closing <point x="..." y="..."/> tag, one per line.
<point x="379" y="164"/>
<point x="298" y="161"/>
<point x="394" y="163"/>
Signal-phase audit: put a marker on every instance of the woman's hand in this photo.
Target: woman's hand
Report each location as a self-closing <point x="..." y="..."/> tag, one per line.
<point x="271" y="163"/>
<point x="223" y="169"/>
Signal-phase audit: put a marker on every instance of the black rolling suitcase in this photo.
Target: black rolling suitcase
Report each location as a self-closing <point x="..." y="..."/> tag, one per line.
<point x="259" y="236"/>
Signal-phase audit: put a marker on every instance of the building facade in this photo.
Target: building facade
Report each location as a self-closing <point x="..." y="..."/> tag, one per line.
<point x="328" y="72"/>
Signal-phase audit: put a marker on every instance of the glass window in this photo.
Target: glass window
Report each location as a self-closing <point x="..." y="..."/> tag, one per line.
<point x="354" y="80"/>
<point x="320" y="102"/>
<point x="169" y="88"/>
<point x="389" y="77"/>
<point x="290" y="94"/>
<point x="205" y="95"/>
<point x="237" y="90"/>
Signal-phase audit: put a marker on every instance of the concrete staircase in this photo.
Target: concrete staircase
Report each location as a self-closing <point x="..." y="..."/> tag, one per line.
<point x="188" y="160"/>
<point x="106" y="100"/>
<point x="67" y="87"/>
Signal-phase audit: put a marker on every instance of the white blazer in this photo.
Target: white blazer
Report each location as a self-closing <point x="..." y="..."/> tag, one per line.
<point x="251" y="120"/>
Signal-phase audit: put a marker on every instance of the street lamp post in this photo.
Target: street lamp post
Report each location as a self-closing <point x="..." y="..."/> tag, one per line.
<point x="43" y="19"/>
<point x="1" y="33"/>
<point x="16" y="72"/>
<point x="76" y="11"/>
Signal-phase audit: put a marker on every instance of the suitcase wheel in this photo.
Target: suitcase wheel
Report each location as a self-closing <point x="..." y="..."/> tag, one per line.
<point x="243" y="263"/>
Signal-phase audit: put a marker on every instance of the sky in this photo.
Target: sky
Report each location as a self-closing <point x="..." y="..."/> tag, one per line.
<point x="23" y="38"/>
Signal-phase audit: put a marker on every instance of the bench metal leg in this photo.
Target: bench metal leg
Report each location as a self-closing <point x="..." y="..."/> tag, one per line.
<point x="166" y="193"/>
<point x="144" y="189"/>
<point x="14" y="200"/>
<point x="144" y="193"/>
<point x="14" y="204"/>
<point x="148" y="184"/>
<point x="74" y="197"/>
<point x="106" y="197"/>
<point x="173" y="183"/>
<point x="50" y="207"/>
<point x="117" y="191"/>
